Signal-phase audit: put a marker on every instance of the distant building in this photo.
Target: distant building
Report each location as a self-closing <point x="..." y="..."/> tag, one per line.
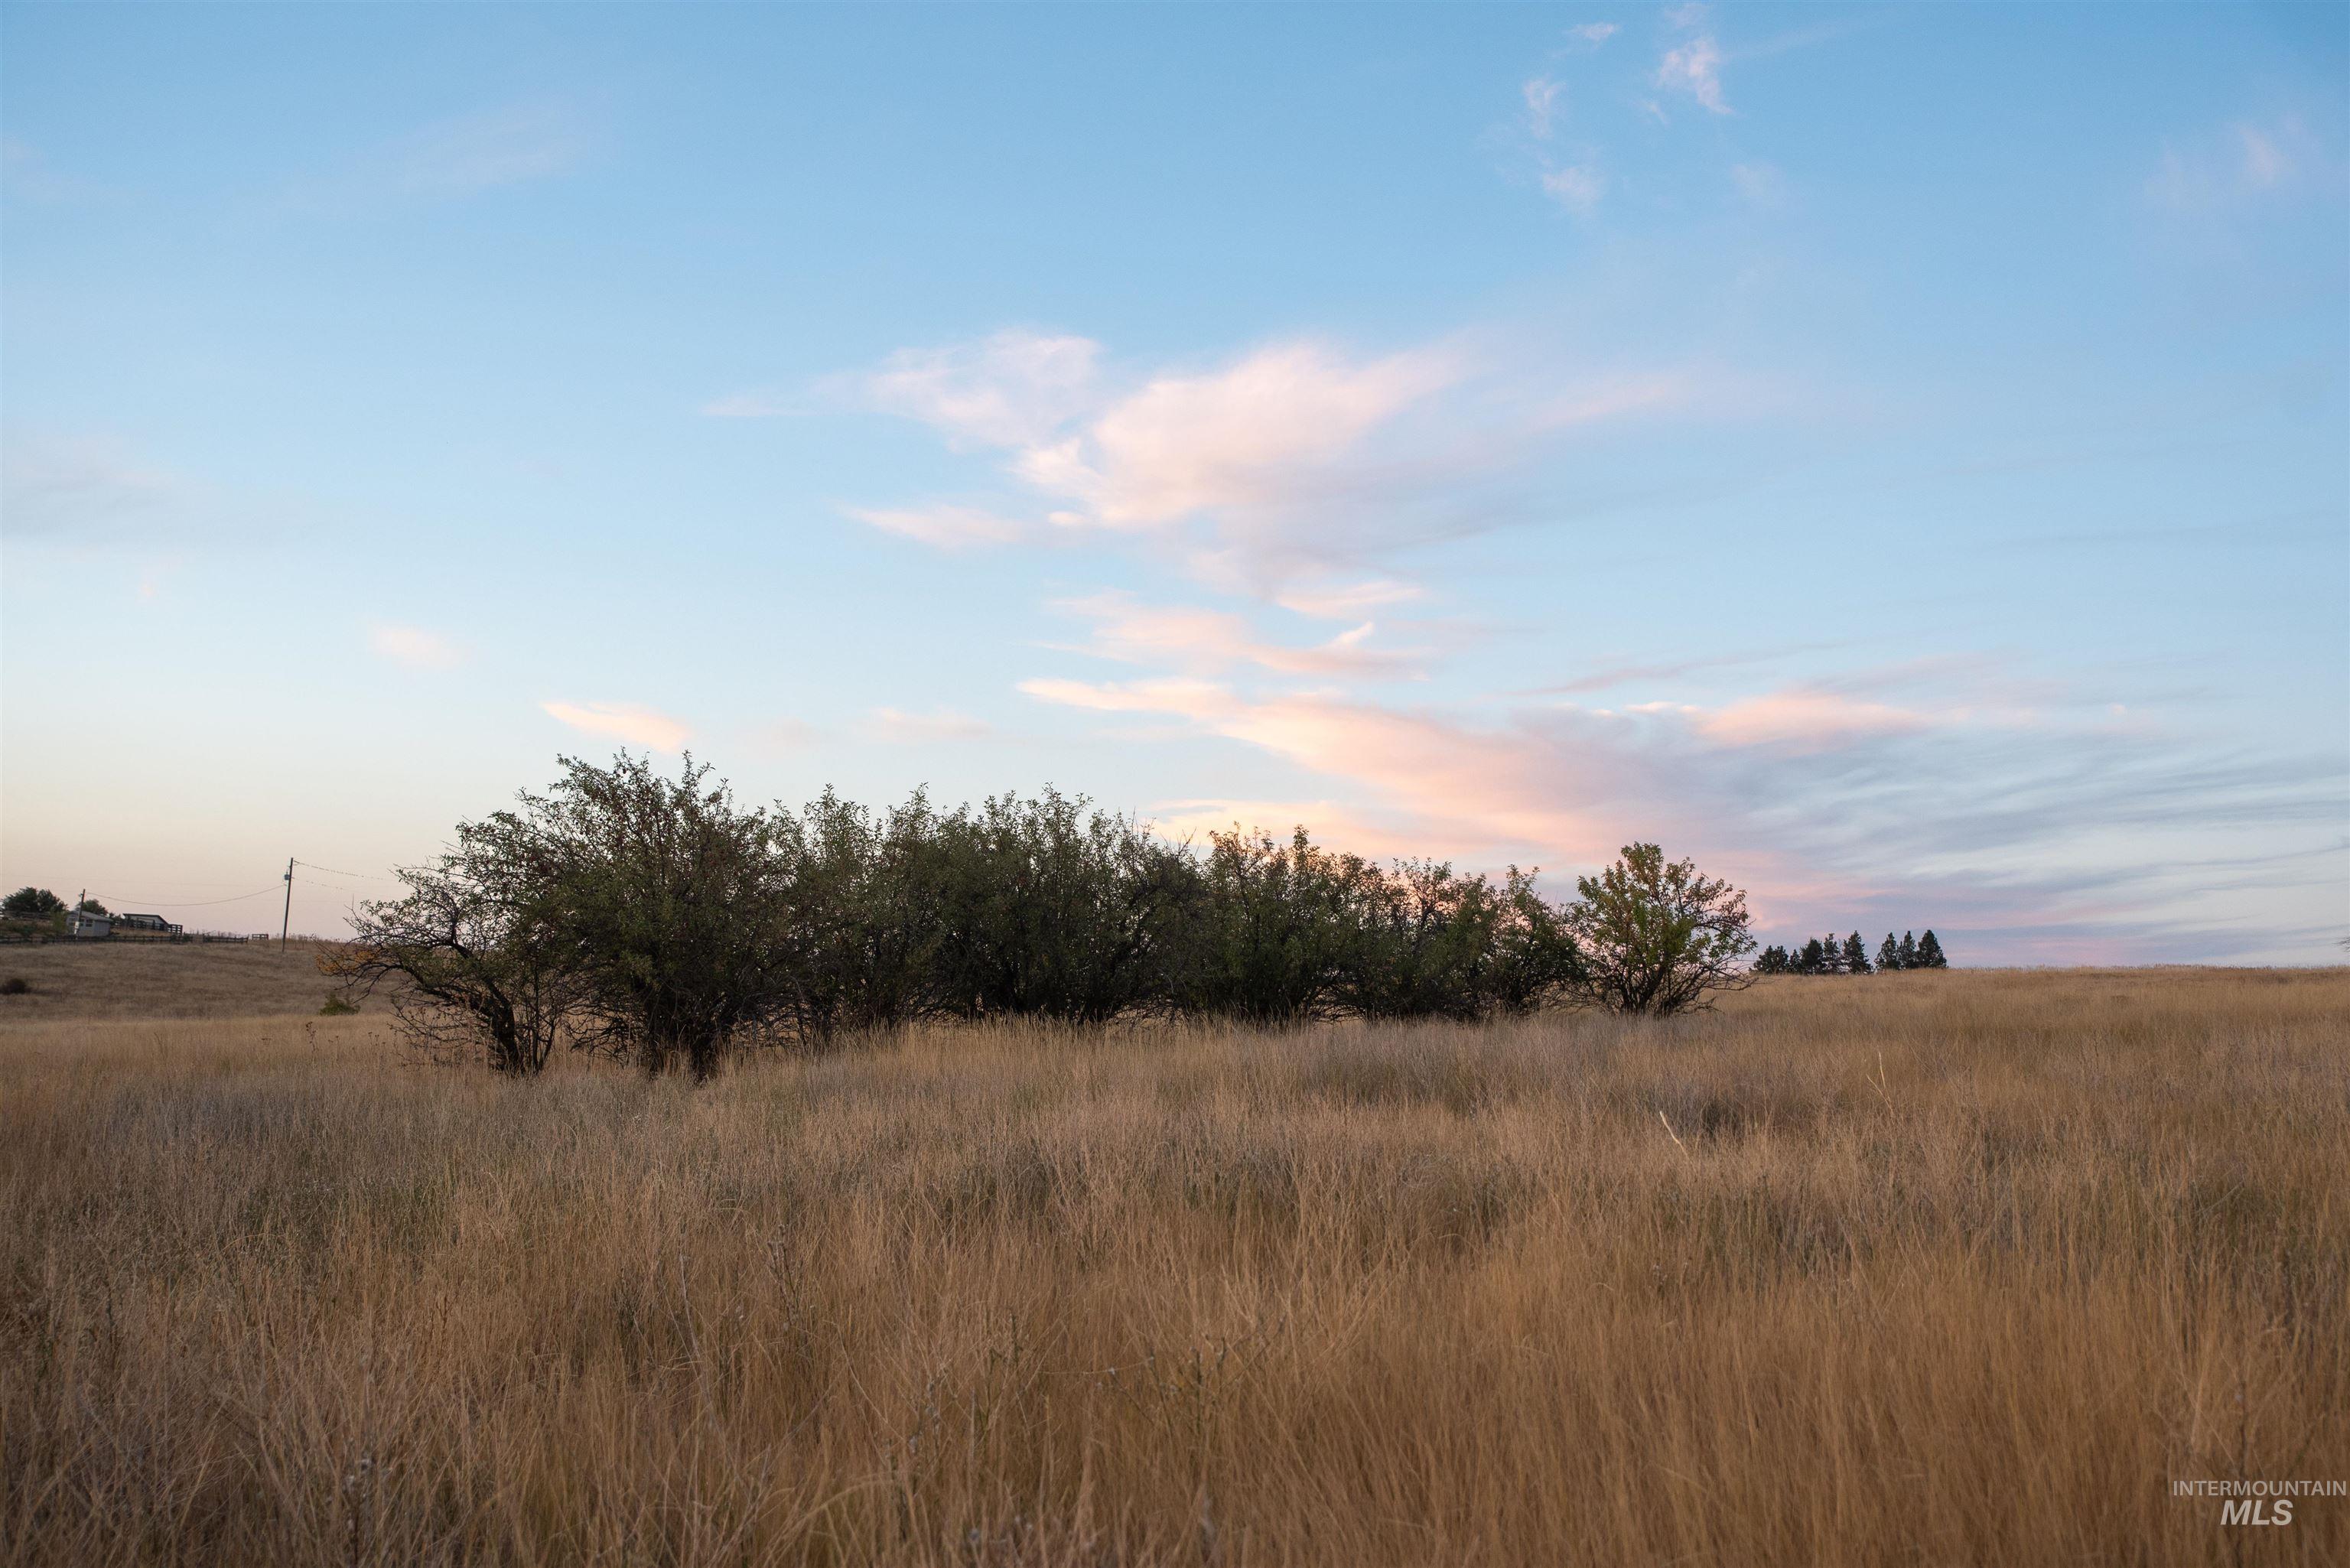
<point x="79" y="924"/>
<point x="155" y="924"/>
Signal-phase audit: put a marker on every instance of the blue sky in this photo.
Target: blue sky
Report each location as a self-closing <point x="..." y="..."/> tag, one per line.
<point x="1899" y="456"/>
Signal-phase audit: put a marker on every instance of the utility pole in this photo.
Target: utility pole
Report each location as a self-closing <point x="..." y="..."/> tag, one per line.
<point x="285" y="924"/>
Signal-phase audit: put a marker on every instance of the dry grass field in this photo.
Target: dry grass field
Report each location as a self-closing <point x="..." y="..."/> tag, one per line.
<point x="1934" y="1269"/>
<point x="160" y="979"/>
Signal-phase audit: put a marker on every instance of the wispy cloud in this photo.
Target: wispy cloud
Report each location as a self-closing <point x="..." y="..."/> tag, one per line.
<point x="2235" y="166"/>
<point x="1694" y="67"/>
<point x="413" y="646"/>
<point x="1345" y="601"/>
<point x="1543" y="95"/>
<point x="1591" y="34"/>
<point x="1294" y="461"/>
<point x="896" y="726"/>
<point x="25" y="172"/>
<point x="623" y="721"/>
<point x="1577" y="187"/>
<point x="480" y="152"/>
<point x="456" y="158"/>
<point x="1014" y="389"/>
<point x="947" y="527"/>
<point x="1832" y="806"/>
<point x="1209" y="641"/>
<point x="1759" y="184"/>
<point x="87" y="488"/>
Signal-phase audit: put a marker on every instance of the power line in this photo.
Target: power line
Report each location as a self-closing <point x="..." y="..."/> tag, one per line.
<point x="362" y="875"/>
<point x="187" y="904"/>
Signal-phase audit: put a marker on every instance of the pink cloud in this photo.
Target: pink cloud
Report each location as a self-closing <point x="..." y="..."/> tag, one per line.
<point x="1209" y="641"/>
<point x="623" y="721"/>
<point x="1804" y="719"/>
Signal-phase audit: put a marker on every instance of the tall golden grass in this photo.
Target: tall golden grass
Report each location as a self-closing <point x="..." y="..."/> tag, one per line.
<point x="1924" y="1268"/>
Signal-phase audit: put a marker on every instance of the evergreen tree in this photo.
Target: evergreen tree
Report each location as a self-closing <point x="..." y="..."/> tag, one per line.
<point x="1930" y="953"/>
<point x="1889" y="956"/>
<point x="1856" y="955"/>
<point x="1813" y="960"/>
<point x="1908" y="950"/>
<point x="1773" y="961"/>
<point x="1831" y="955"/>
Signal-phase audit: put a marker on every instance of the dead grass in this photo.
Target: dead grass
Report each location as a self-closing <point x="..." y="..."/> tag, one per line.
<point x="1935" y="1269"/>
<point x="160" y="979"/>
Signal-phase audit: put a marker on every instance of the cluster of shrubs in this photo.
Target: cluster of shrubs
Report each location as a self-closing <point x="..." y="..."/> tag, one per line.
<point x="659" y="920"/>
<point x="1850" y="956"/>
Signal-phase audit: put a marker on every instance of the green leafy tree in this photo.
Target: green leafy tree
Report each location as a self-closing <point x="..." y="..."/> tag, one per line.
<point x="1055" y="910"/>
<point x="1657" y="937"/>
<point x="1269" y="937"/>
<point x="1856" y="955"/>
<point x="1889" y="954"/>
<point x="1773" y="961"/>
<point x="32" y="904"/>
<point x="1930" y="953"/>
<point x="90" y="906"/>
<point x="1812" y="959"/>
<point x="1532" y="960"/>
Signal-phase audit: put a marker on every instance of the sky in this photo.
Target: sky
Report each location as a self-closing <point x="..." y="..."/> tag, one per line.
<point x="1898" y="457"/>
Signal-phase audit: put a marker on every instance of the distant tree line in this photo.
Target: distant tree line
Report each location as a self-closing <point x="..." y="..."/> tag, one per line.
<point x="1829" y="955"/>
<point x="661" y="921"/>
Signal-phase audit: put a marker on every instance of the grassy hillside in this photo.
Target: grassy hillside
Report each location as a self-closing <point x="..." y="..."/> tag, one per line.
<point x="1933" y="1267"/>
<point x="160" y="980"/>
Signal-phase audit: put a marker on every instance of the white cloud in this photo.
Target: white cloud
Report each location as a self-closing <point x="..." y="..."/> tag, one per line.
<point x="413" y="646"/>
<point x="1577" y="187"/>
<point x="623" y="721"/>
<point x="947" y="527"/>
<point x="1695" y="68"/>
<point x="1593" y="34"/>
<point x="1543" y="95"/>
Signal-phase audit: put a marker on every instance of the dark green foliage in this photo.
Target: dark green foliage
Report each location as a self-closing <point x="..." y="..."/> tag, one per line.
<point x="1812" y="959"/>
<point x="863" y="926"/>
<point x="1930" y="953"/>
<point x="90" y="906"/>
<point x="1888" y="955"/>
<point x="1775" y="960"/>
<point x="1856" y="955"/>
<point x="1267" y="936"/>
<point x="1053" y="911"/>
<point x="658" y="920"/>
<point x="671" y="900"/>
<point x="32" y="904"/>
<point x="336" y="1006"/>
<point x="1908" y="951"/>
